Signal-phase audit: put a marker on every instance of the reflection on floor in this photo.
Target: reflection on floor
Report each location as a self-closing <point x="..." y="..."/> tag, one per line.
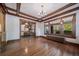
<point x="39" y="47"/>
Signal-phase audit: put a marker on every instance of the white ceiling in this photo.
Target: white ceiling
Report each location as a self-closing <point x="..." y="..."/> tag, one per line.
<point x="11" y="5"/>
<point x="35" y="8"/>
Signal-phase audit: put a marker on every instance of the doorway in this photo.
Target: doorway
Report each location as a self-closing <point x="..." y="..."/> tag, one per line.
<point x="27" y="28"/>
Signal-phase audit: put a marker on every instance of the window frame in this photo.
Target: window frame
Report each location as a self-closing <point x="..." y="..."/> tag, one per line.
<point x="62" y="31"/>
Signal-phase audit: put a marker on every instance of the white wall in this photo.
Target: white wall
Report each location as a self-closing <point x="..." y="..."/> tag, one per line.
<point x="12" y="27"/>
<point x="77" y="25"/>
<point x="39" y="29"/>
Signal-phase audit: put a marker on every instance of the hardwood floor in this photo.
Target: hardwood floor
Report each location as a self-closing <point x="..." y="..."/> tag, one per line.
<point x="39" y="47"/>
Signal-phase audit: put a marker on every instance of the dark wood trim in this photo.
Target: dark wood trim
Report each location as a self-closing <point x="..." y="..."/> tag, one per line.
<point x="24" y="21"/>
<point x="73" y="26"/>
<point x="30" y="23"/>
<point x="20" y="27"/>
<point x="11" y="9"/>
<point x="12" y="41"/>
<point x="28" y="15"/>
<point x="21" y="16"/>
<point x="22" y="13"/>
<point x="65" y="12"/>
<point x="60" y="18"/>
<point x="65" y="42"/>
<point x="3" y="8"/>
<point x="60" y="9"/>
<point x="18" y="5"/>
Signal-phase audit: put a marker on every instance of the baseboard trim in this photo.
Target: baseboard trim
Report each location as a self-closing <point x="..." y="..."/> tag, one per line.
<point x="65" y="42"/>
<point x="10" y="41"/>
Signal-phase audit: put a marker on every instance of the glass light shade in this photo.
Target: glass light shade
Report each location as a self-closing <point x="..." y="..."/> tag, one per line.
<point x="26" y="23"/>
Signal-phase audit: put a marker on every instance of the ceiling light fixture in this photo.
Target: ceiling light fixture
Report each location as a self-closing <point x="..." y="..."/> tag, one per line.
<point x="42" y="12"/>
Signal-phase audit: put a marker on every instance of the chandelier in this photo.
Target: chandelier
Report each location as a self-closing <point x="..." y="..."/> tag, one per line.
<point x="42" y="12"/>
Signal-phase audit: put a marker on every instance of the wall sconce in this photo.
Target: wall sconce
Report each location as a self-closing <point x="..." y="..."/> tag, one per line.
<point x="0" y="28"/>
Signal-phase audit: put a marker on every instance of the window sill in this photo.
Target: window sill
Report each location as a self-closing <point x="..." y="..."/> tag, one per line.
<point x="63" y="36"/>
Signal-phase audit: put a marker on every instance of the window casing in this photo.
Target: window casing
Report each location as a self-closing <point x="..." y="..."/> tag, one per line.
<point x="64" y="26"/>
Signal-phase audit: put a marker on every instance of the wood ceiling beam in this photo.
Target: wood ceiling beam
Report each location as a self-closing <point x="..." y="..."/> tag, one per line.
<point x="22" y="13"/>
<point x="29" y="15"/>
<point x="60" y="18"/>
<point x="4" y="7"/>
<point x="60" y="9"/>
<point x="65" y="12"/>
<point x="33" y="17"/>
<point x="18" y="6"/>
<point x="10" y="9"/>
<point x="21" y="16"/>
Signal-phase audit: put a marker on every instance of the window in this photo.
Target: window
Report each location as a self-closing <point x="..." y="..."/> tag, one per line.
<point x="55" y="28"/>
<point x="33" y="28"/>
<point x="46" y="28"/>
<point x="64" y="26"/>
<point x="67" y="25"/>
<point x="28" y="28"/>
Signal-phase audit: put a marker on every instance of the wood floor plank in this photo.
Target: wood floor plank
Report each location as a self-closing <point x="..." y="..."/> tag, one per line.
<point x="39" y="47"/>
